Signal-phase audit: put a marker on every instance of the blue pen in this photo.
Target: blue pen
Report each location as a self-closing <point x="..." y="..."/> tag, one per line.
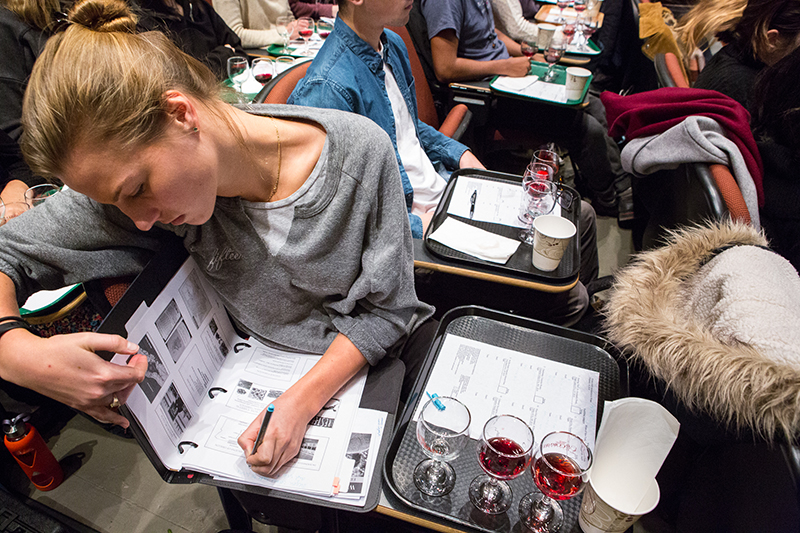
<point x="436" y="402"/>
<point x="263" y="429"/>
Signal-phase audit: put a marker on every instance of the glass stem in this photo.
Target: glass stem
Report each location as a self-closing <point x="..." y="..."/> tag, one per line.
<point x="543" y="509"/>
<point x="491" y="490"/>
<point x="436" y="472"/>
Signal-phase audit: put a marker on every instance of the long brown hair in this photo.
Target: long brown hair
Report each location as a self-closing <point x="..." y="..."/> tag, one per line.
<point x="707" y="19"/>
<point x="38" y="13"/>
<point x="98" y="81"/>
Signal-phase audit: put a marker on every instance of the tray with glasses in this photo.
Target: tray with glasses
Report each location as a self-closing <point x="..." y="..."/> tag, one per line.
<point x="565" y="200"/>
<point x="501" y="449"/>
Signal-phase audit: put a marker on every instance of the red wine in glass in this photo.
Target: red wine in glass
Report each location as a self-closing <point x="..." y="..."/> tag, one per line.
<point x="526" y="49"/>
<point x="305" y="34"/>
<point x="568" y="30"/>
<point x="579" y="7"/>
<point x="508" y="463"/>
<point x="324" y="34"/>
<point x="263" y="78"/>
<point x="557" y="476"/>
<point x="553" y="55"/>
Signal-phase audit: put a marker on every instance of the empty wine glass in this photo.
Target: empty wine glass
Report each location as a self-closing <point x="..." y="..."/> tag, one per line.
<point x="285" y="26"/>
<point x="504" y="452"/>
<point x="442" y="430"/>
<point x="538" y="198"/>
<point x="305" y="28"/>
<point x="13" y="209"/>
<point x="324" y="29"/>
<point x="39" y="193"/>
<point x="560" y="471"/>
<point x="282" y="63"/>
<point x="554" y="52"/>
<point x="238" y="73"/>
<point x="263" y="69"/>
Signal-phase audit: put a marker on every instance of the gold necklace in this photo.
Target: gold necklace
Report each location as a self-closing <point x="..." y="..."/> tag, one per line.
<point x="278" y="177"/>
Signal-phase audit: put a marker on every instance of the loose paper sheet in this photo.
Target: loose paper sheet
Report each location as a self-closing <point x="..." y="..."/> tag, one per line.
<point x="548" y="395"/>
<point x="496" y="202"/>
<point x="553" y="92"/>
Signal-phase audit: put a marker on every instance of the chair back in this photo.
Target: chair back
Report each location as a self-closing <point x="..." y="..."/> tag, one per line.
<point x="279" y="88"/>
<point x="669" y="71"/>
<point x="426" y="108"/>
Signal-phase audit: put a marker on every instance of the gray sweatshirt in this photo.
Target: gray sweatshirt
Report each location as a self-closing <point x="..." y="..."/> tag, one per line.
<point x="346" y="264"/>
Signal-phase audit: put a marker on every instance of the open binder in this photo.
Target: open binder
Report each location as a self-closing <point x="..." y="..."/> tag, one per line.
<point x="381" y="392"/>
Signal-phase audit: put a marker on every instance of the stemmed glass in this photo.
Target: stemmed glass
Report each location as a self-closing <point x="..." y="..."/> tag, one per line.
<point x="562" y="5"/>
<point x="263" y="69"/>
<point x="305" y="27"/>
<point x="538" y="198"/>
<point x="588" y="27"/>
<point x="554" y="52"/>
<point x="39" y="193"/>
<point x="324" y="29"/>
<point x="548" y="157"/>
<point x="282" y="63"/>
<point x="442" y="431"/>
<point x="285" y="25"/>
<point x="559" y="471"/>
<point x="504" y="452"/>
<point x="238" y="73"/>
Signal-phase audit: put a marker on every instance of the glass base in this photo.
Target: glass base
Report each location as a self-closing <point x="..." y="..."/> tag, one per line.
<point x="434" y="478"/>
<point x="490" y="495"/>
<point x="526" y="235"/>
<point x="541" y="522"/>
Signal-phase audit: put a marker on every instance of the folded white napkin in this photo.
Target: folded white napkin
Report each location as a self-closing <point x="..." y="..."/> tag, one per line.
<point x="474" y="241"/>
<point x="506" y="83"/>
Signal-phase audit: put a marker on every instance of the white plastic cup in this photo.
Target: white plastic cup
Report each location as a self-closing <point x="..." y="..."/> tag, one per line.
<point x="577" y="78"/>
<point x="597" y="516"/>
<point x="552" y="234"/>
<point x="546" y="32"/>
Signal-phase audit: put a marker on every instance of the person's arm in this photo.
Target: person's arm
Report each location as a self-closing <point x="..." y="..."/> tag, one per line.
<point x="231" y="13"/>
<point x="295" y="408"/>
<point x="301" y="8"/>
<point x="510" y="20"/>
<point x="449" y="67"/>
<point x="228" y="43"/>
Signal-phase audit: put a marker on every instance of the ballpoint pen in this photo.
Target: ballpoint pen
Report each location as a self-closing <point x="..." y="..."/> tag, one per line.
<point x="472" y="200"/>
<point x="263" y="429"/>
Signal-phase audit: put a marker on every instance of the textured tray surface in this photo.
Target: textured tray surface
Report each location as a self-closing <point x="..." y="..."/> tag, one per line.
<point x="456" y="505"/>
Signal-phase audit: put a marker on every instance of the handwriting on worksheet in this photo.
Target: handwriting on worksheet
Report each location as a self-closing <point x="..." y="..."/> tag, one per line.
<point x="489" y="380"/>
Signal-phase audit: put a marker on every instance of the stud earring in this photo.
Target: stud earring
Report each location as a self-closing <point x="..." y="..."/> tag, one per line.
<point x="195" y="130"/>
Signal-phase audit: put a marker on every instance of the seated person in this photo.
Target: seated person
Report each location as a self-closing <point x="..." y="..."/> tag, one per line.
<point x="466" y="46"/>
<point x="362" y="67"/>
<point x="776" y="128"/>
<point x="344" y="76"/>
<point x="313" y="8"/>
<point x="23" y="34"/>
<point x="515" y="18"/>
<point x="196" y="28"/>
<point x="279" y="193"/>
<point x="766" y="32"/>
<point x="254" y="21"/>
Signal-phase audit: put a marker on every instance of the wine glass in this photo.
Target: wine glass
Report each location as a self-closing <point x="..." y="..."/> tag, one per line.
<point x="238" y="73"/>
<point x="562" y="5"/>
<point x="442" y="430"/>
<point x="282" y="63"/>
<point x="324" y="29"/>
<point x="263" y="69"/>
<point x="554" y="52"/>
<point x="560" y="471"/>
<point x="568" y="31"/>
<point x="588" y="27"/>
<point x="538" y="198"/>
<point x="504" y="452"/>
<point x="548" y="157"/>
<point x="305" y="28"/>
<point x="39" y="193"/>
<point x="285" y="25"/>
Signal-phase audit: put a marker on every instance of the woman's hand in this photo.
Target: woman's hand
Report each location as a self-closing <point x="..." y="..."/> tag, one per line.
<point x="65" y="368"/>
<point x="285" y="432"/>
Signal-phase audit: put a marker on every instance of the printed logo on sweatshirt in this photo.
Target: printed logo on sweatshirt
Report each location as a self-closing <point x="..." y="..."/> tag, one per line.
<point x="226" y="254"/>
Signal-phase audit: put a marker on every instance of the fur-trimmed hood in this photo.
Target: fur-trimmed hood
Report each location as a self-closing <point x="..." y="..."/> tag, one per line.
<point x="705" y="323"/>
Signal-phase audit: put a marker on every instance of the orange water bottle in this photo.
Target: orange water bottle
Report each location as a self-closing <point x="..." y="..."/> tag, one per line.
<point x="32" y="453"/>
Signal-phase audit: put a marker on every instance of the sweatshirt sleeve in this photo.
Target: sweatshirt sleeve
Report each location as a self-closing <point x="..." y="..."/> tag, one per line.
<point x="508" y="19"/>
<point x="231" y="13"/>
<point x="71" y="239"/>
<point x="302" y="8"/>
<point x="381" y="307"/>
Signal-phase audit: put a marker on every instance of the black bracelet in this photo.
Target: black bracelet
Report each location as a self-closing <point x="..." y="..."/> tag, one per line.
<point x="7" y="323"/>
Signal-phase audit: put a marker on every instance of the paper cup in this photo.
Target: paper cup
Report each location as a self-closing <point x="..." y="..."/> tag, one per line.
<point x="546" y="32"/>
<point x="597" y="516"/>
<point x="552" y="234"/>
<point x="577" y="78"/>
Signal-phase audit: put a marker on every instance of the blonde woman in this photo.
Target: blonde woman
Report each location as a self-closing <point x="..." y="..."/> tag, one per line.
<point x="294" y="215"/>
<point x="254" y="21"/>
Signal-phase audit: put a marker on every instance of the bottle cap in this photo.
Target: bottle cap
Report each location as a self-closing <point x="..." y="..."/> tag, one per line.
<point x="15" y="428"/>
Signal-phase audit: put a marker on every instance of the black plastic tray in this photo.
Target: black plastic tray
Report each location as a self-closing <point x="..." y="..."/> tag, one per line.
<point x="519" y="263"/>
<point x="516" y="333"/>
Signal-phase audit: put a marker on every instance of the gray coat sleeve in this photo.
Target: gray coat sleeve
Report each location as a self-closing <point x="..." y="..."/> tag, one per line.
<point x="70" y="239"/>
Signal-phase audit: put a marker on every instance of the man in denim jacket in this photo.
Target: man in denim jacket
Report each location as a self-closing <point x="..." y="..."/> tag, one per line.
<point x="364" y="69"/>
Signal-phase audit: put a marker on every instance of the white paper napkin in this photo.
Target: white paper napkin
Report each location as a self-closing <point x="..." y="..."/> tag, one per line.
<point x="474" y="241"/>
<point x="635" y="437"/>
<point x="507" y="83"/>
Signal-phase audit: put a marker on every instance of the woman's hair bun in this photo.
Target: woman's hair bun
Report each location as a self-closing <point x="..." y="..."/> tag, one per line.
<point x="103" y="15"/>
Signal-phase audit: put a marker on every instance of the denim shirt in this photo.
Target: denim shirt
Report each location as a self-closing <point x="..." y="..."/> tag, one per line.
<point x="348" y="74"/>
